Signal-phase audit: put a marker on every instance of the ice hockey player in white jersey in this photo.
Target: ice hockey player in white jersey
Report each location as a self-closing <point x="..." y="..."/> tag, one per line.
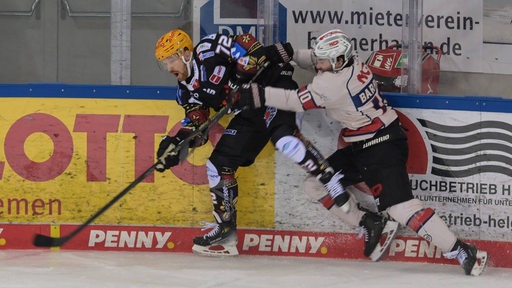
<point x="345" y="88"/>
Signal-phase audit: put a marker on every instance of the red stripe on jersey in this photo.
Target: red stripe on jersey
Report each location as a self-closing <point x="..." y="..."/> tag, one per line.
<point x="306" y="99"/>
<point x="371" y="128"/>
<point x="327" y="201"/>
<point x="420" y="218"/>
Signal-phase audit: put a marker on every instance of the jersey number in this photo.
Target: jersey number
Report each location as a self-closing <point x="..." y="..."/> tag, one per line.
<point x="224" y="45"/>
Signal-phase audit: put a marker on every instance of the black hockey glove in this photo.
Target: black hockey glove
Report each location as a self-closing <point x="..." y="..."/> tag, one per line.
<point x="167" y="158"/>
<point x="279" y="53"/>
<point x="167" y="154"/>
<point x="249" y="96"/>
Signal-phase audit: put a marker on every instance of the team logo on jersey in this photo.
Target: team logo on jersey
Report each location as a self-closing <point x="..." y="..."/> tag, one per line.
<point x="270" y="113"/>
<point x="237" y="51"/>
<point x="217" y="74"/>
<point x="244" y="61"/>
<point x="230" y="132"/>
<point x="202" y="47"/>
<point x="206" y="55"/>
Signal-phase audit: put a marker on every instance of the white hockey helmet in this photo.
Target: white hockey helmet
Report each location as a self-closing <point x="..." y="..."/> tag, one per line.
<point x="331" y="45"/>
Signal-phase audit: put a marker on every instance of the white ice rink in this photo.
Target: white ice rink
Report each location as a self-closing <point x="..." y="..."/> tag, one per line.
<point x="69" y="269"/>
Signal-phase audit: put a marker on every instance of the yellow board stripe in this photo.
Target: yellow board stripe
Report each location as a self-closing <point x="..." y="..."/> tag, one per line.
<point x="55" y="232"/>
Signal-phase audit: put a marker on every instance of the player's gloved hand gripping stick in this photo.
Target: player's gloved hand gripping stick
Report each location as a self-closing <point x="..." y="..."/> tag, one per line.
<point x="48" y="241"/>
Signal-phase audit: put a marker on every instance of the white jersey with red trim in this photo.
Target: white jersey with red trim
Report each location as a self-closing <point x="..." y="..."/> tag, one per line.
<point x="350" y="96"/>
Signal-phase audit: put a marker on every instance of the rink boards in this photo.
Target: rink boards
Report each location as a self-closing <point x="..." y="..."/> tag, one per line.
<point x="68" y="149"/>
<point x="250" y="242"/>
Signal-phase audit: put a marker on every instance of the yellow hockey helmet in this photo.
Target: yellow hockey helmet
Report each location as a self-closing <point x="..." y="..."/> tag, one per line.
<point x="173" y="42"/>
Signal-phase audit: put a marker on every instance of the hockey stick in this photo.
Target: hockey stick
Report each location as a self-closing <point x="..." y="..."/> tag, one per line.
<point x="48" y="241"/>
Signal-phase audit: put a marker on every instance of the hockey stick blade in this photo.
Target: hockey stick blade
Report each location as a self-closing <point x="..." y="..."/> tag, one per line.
<point x="47" y="241"/>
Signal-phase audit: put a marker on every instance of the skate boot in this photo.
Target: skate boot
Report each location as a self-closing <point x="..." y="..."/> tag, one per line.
<point x="332" y="184"/>
<point x="220" y="241"/>
<point x="379" y="233"/>
<point x="470" y="258"/>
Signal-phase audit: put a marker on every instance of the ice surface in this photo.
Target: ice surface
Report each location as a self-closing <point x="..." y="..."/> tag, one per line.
<point x="38" y="268"/>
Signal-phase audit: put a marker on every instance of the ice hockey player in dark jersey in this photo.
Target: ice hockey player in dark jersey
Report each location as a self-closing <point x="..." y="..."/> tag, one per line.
<point x="204" y="73"/>
<point x="345" y="88"/>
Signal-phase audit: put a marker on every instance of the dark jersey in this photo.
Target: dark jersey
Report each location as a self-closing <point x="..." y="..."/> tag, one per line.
<point x="218" y="59"/>
<point x="214" y="60"/>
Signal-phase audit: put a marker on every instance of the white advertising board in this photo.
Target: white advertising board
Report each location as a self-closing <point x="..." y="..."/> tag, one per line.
<point x="457" y="28"/>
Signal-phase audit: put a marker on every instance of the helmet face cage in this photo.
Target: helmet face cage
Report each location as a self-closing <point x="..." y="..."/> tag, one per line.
<point x="173" y="42"/>
<point x="331" y="45"/>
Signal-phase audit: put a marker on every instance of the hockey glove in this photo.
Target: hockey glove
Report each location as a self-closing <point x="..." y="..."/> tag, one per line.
<point x="279" y="53"/>
<point x="196" y="114"/>
<point x="168" y="156"/>
<point x="249" y="96"/>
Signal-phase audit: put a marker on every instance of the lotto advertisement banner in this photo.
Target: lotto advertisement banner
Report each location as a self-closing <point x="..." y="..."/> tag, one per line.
<point x="64" y="157"/>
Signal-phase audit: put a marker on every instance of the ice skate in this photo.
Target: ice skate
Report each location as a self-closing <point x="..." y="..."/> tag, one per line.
<point x="332" y="184"/>
<point x="379" y="233"/>
<point x="220" y="241"/>
<point x="472" y="260"/>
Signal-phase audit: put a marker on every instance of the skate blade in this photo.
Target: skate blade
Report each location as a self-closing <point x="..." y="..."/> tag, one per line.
<point x="480" y="264"/>
<point x="389" y="232"/>
<point x="216" y="250"/>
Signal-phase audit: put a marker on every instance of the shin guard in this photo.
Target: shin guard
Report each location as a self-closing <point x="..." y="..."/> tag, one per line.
<point x="425" y="222"/>
<point x="301" y="151"/>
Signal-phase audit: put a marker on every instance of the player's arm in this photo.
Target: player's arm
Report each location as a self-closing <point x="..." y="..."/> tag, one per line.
<point x="254" y="96"/>
<point x="195" y="115"/>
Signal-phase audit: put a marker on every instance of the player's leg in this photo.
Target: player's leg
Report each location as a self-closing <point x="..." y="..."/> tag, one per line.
<point x="385" y="171"/>
<point x="222" y="232"/>
<point x="427" y="224"/>
<point x="378" y="230"/>
<point x="235" y="148"/>
<point x="296" y="147"/>
<point x="288" y="140"/>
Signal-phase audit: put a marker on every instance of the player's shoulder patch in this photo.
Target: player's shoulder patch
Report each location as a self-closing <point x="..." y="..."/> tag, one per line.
<point x="203" y="47"/>
<point x="205" y="55"/>
<point x="217" y="74"/>
<point x="237" y="51"/>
